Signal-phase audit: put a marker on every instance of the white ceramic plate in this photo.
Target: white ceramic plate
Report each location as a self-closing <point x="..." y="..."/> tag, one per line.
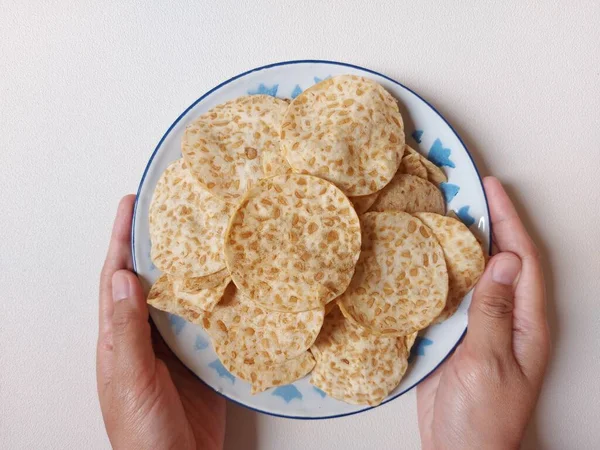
<point x="426" y="130"/>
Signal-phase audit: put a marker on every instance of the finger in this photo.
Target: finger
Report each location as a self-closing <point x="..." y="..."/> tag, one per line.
<point x="491" y="311"/>
<point x="132" y="345"/>
<point x="530" y="320"/>
<point x="118" y="257"/>
<point x="509" y="232"/>
<point x="510" y="235"/>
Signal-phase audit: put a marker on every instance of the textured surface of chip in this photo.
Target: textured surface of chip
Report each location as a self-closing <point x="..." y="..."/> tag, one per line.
<point x="410" y="194"/>
<point x="242" y="329"/>
<point x="364" y="202"/>
<point x="275" y="164"/>
<point x="187" y="225"/>
<point x="463" y="254"/>
<point x="264" y="376"/>
<point x="401" y="282"/>
<point x="410" y="340"/>
<point x="434" y="173"/>
<point x="196" y="283"/>
<point x="293" y="243"/>
<point x="411" y="164"/>
<point x="201" y="295"/>
<point x="346" y="129"/>
<point x="224" y="146"/>
<point x="354" y="365"/>
<point x="161" y="297"/>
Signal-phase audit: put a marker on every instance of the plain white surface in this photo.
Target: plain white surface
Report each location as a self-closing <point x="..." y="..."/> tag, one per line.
<point x="88" y="88"/>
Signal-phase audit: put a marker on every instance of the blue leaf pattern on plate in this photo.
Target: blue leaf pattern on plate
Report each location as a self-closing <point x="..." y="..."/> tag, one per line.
<point x="296" y="92"/>
<point x="288" y="393"/>
<point x="418" y="349"/>
<point x="264" y="89"/>
<point x="221" y="371"/>
<point x="318" y="80"/>
<point x="177" y="323"/>
<point x="200" y="343"/>
<point x="439" y="155"/>
<point x="417" y="134"/>
<point x="420" y="345"/>
<point x="320" y="392"/>
<point x="449" y="190"/>
<point x="465" y="217"/>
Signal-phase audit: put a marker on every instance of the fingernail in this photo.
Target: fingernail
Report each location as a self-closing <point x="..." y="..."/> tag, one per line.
<point x="506" y="269"/>
<point x="120" y="286"/>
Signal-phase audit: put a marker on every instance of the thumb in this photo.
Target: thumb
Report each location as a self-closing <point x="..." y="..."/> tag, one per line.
<point x="132" y="345"/>
<point x="491" y="311"/>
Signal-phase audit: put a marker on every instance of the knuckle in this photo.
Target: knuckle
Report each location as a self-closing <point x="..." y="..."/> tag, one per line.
<point x="105" y="343"/>
<point x="495" y="306"/>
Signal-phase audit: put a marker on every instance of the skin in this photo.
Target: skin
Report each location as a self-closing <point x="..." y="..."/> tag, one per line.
<point x="148" y="398"/>
<point x="481" y="397"/>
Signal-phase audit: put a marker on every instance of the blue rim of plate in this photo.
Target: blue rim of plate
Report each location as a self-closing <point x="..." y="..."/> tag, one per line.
<point x="287" y="63"/>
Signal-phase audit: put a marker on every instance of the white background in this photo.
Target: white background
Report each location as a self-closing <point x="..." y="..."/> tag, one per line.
<point x="88" y="88"/>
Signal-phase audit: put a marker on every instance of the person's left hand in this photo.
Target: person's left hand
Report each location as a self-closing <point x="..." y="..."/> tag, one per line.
<point x="146" y="402"/>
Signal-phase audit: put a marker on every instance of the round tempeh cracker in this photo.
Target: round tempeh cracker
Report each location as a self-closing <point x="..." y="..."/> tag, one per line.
<point x="161" y="297"/>
<point x="364" y="202"/>
<point x="275" y="163"/>
<point x="187" y="224"/>
<point x="434" y="173"/>
<point x="224" y="146"/>
<point x="245" y="330"/>
<point x="196" y="283"/>
<point x="293" y="243"/>
<point x="354" y="365"/>
<point x="201" y="295"/>
<point x="263" y="376"/>
<point x="278" y="165"/>
<point x="463" y="254"/>
<point x="401" y="282"/>
<point x="346" y="129"/>
<point x="410" y="194"/>
<point x="411" y="164"/>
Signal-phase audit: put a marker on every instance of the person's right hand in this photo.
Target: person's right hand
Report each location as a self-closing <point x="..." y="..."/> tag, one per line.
<point x="483" y="396"/>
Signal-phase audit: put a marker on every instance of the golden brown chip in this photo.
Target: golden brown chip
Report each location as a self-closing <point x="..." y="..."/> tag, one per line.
<point x="364" y="202"/>
<point x="161" y="297"/>
<point x="434" y="173"/>
<point x="354" y="365"/>
<point x="275" y="163"/>
<point x="197" y="283"/>
<point x="410" y="340"/>
<point x="263" y="376"/>
<point x="187" y="224"/>
<point x="201" y="294"/>
<point x="293" y="242"/>
<point x="224" y="147"/>
<point x="463" y="255"/>
<point x="242" y="329"/>
<point x="401" y="282"/>
<point x="410" y="194"/>
<point x="411" y="165"/>
<point x="346" y="129"/>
